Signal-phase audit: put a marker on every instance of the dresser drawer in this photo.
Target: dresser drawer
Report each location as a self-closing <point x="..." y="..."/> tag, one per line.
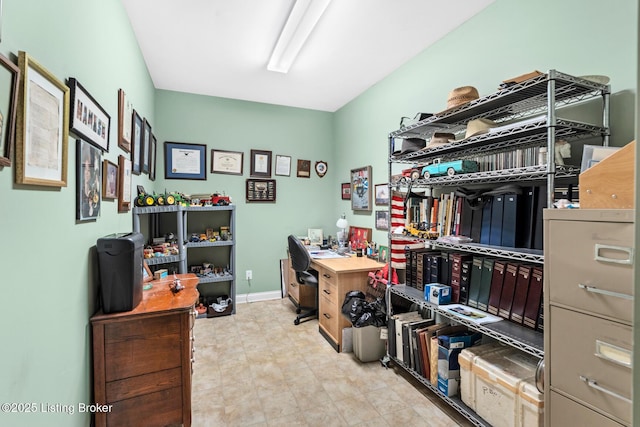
<point x="589" y="266"/>
<point x="328" y="286"/>
<point x="329" y="317"/>
<point x="590" y="360"/>
<point x="565" y="412"/>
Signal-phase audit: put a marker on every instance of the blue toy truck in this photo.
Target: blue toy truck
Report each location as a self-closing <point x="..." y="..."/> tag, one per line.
<point x="437" y="168"/>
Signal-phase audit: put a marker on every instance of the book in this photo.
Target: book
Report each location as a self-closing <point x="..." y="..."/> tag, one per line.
<point x="495" y="233"/>
<point x="399" y="320"/>
<point x="497" y="280"/>
<point x="409" y="342"/>
<point x="485" y="283"/>
<point x="534" y="299"/>
<point x="475" y="276"/>
<point x="520" y="293"/>
<point x="508" y="288"/>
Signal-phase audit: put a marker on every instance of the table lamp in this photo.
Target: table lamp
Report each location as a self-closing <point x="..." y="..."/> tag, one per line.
<point x="342" y="224"/>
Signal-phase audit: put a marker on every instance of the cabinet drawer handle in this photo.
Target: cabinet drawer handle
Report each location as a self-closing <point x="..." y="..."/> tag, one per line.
<point x="326" y="292"/>
<point x="594" y="384"/>
<point x="326" y="275"/>
<point x="604" y="292"/>
<point x="628" y="251"/>
<point x="293" y="285"/>
<point x="326" y="315"/>
<point x="613" y="353"/>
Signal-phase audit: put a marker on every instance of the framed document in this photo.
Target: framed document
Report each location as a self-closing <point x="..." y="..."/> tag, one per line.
<point x="146" y="146"/>
<point x="125" y="112"/>
<point x="229" y="162"/>
<point x="137" y="129"/>
<point x="152" y="158"/>
<point x="89" y="120"/>
<point x="185" y="161"/>
<point x="42" y="134"/>
<point x="283" y="165"/>
<point x="261" y="163"/>
<point x="124" y="184"/>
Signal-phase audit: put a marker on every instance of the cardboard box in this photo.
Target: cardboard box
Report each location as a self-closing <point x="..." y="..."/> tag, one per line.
<point x="437" y="293"/>
<point x="449" y="347"/>
<point x="160" y="274"/>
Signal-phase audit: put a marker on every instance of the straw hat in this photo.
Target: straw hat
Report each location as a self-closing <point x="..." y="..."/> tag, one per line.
<point x="478" y="127"/>
<point x="461" y="95"/>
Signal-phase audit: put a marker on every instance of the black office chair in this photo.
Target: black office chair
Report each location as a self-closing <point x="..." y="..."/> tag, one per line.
<point x="300" y="262"/>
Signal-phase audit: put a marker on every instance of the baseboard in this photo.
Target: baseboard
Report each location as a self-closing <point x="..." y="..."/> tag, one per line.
<point x="258" y="296"/>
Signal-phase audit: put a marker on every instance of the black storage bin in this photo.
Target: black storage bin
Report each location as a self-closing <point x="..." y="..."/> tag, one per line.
<point x="120" y="262"/>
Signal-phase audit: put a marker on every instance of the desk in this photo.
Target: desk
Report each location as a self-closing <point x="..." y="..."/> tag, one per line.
<point x="336" y="277"/>
<point x="142" y="358"/>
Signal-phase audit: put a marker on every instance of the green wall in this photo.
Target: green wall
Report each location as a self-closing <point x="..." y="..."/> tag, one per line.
<point x="48" y="282"/>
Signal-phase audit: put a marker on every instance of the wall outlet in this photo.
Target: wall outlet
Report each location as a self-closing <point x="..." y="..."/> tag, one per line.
<point x="249" y="274"/>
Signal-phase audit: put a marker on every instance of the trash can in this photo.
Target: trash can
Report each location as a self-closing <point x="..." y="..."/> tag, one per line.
<point x="367" y="345"/>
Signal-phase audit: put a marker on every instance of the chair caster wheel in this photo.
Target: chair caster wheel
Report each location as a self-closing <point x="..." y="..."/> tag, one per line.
<point x="298" y="310"/>
<point x="296" y="321"/>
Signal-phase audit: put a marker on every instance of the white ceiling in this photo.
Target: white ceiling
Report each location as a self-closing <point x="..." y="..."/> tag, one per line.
<point x="221" y="47"/>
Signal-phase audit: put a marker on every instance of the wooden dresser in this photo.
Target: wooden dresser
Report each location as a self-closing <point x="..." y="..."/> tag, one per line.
<point x="588" y="310"/>
<point x="336" y="277"/>
<point x="142" y="359"/>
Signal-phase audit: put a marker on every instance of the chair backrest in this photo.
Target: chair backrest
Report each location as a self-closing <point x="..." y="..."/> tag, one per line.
<point x="300" y="258"/>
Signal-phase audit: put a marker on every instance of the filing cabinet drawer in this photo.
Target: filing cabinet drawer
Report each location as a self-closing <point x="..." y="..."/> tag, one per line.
<point x="590" y="360"/>
<point x="589" y="265"/>
<point x="566" y="412"/>
<point x="329" y="317"/>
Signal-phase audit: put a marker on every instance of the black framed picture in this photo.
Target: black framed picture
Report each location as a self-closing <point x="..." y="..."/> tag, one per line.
<point x="382" y="220"/>
<point x="261" y="163"/>
<point x="137" y="129"/>
<point x="260" y="190"/>
<point x="9" y="79"/>
<point x="109" y="180"/>
<point x="185" y="161"/>
<point x="89" y="181"/>
<point x="145" y="154"/>
<point x="89" y="120"/>
<point x="152" y="157"/>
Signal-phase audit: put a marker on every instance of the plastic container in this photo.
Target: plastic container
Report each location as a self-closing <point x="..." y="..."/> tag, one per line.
<point x="367" y="345"/>
<point x="497" y="381"/>
<point x="466" y="358"/>
<point x="530" y="405"/>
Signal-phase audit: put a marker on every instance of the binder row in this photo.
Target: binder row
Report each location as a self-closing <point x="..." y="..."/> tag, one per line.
<point x="509" y="289"/>
<point x="519" y="158"/>
<point x="509" y="220"/>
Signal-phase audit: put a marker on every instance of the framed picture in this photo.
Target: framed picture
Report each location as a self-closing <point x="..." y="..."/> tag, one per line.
<point x="260" y="163"/>
<point x="185" y="161"/>
<point x="124" y="184"/>
<point x="9" y="80"/>
<point x="383" y="254"/>
<point x="382" y="220"/>
<point x="89" y="181"/>
<point x="153" y="147"/>
<point x="360" y="189"/>
<point x="229" y="162"/>
<point x="359" y="235"/>
<point x="89" y="120"/>
<point x="345" y="190"/>
<point x="315" y="236"/>
<point x="125" y="113"/>
<point x="283" y="165"/>
<point x="109" y="180"/>
<point x="146" y="146"/>
<point x="261" y="190"/>
<point x="137" y="129"/>
<point x="382" y="194"/>
<point x="304" y="168"/>
<point x="147" y="276"/>
<point x="42" y="131"/>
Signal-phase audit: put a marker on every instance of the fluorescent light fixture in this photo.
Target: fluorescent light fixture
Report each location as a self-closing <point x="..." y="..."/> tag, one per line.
<point x="303" y="18"/>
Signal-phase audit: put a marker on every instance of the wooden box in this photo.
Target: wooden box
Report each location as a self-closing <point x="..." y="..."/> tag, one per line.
<point x="609" y="184"/>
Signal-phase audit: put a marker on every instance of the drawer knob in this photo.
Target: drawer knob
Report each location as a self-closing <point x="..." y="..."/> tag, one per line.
<point x="326" y="315"/>
<point x="326" y="275"/>
<point x="595" y="290"/>
<point x="594" y="384"/>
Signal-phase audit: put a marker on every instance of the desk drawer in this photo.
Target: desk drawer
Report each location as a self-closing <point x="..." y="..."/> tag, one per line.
<point x="329" y="317"/>
<point x="591" y="360"/>
<point x="565" y="412"/>
<point x="328" y="287"/>
<point x="589" y="265"/>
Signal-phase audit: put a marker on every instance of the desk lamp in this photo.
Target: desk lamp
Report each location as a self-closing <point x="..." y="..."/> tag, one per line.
<point x="342" y="224"/>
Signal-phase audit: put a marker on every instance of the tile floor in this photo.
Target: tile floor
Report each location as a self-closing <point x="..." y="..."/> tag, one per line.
<point x="256" y="368"/>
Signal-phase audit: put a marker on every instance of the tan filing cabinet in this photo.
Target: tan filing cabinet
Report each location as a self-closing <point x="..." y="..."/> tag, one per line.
<point x="588" y="307"/>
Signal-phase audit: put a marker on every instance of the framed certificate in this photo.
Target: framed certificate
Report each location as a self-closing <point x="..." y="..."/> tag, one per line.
<point x="229" y="162"/>
<point x="185" y="161"/>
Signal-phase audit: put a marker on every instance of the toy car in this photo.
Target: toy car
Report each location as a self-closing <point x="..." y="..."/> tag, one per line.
<point x="219" y="200"/>
<point x="411" y="174"/>
<point x="437" y="168"/>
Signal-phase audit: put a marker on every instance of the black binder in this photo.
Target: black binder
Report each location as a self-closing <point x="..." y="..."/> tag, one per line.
<point x="485" y="229"/>
<point x="513" y="232"/>
<point x="528" y="216"/>
<point x="474" y="281"/>
<point x="540" y="205"/>
<point x="495" y="233"/>
<point x="466" y="217"/>
<point x="485" y="283"/>
<point x="476" y="222"/>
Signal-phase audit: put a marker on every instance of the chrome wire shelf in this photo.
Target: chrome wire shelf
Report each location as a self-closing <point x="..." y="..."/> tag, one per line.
<point x="509" y="103"/>
<point x="523" y="136"/>
<point x="454" y="402"/>
<point x="517" y="254"/>
<point x="510" y="333"/>
<point x="529" y="173"/>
